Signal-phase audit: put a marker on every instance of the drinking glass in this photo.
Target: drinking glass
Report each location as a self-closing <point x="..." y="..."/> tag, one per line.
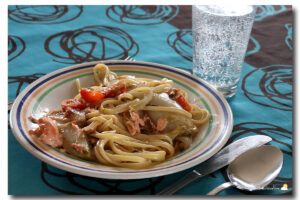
<point x="220" y="40"/>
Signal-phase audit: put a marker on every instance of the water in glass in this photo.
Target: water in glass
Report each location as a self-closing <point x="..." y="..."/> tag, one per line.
<point x="220" y="39"/>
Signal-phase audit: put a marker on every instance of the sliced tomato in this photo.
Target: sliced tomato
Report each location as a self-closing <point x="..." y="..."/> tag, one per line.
<point x="115" y="90"/>
<point x="73" y="103"/>
<point x="91" y="96"/>
<point x="182" y="102"/>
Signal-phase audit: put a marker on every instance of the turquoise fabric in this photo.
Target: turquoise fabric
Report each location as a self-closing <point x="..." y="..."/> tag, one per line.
<point x="35" y="34"/>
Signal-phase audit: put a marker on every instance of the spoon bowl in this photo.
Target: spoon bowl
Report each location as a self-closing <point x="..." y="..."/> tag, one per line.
<point x="253" y="169"/>
<point x="256" y="168"/>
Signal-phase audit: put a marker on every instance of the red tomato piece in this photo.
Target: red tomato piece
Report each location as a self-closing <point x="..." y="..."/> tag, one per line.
<point x="73" y="103"/>
<point x="91" y="96"/>
<point x="182" y="102"/>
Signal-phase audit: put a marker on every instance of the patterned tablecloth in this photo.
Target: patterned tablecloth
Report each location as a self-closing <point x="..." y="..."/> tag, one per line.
<point x="42" y="39"/>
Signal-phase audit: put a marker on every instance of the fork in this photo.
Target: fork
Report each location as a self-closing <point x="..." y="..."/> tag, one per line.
<point x="10" y="103"/>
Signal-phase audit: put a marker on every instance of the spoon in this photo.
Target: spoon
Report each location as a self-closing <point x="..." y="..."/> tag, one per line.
<point x="253" y="169"/>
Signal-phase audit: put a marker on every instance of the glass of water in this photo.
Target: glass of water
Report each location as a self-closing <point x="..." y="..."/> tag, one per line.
<point x="220" y="40"/>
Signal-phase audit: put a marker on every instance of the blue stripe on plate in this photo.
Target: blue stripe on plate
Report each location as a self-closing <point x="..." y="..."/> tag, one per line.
<point x="223" y="131"/>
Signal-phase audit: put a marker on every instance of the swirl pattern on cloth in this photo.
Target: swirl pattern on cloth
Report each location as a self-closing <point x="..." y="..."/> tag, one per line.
<point x="130" y="14"/>
<point x="16" y="46"/>
<point x="73" y="46"/>
<point x="40" y="14"/>
<point x="274" y="88"/>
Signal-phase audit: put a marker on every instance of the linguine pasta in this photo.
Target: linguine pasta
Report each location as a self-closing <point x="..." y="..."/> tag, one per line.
<point x="123" y="121"/>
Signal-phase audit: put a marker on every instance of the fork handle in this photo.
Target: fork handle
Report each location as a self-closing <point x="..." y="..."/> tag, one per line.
<point x="220" y="188"/>
<point x="179" y="184"/>
<point x="9" y="105"/>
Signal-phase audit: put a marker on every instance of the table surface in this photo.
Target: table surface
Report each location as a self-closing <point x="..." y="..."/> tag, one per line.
<point x="42" y="39"/>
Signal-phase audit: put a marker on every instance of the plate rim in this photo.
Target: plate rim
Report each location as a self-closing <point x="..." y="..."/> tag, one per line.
<point x="111" y="175"/>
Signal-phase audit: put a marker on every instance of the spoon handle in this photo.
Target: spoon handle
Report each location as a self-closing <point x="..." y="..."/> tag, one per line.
<point x="220" y="188"/>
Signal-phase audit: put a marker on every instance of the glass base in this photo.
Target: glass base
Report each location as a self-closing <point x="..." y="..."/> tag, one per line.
<point x="227" y="92"/>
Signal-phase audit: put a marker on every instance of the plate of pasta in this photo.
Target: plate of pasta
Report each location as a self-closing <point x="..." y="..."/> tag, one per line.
<point x="121" y="119"/>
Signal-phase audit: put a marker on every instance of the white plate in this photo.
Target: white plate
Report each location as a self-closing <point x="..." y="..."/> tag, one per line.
<point x="47" y="93"/>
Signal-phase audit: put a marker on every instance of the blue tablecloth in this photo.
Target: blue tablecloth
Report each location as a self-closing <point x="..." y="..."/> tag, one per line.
<point x="43" y="39"/>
